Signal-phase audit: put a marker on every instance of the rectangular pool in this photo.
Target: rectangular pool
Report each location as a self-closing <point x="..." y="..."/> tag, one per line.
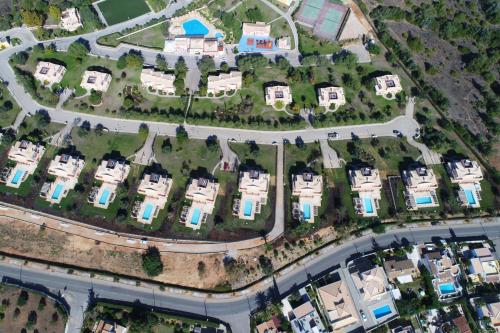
<point x="307" y="211"/>
<point x="196" y="216"/>
<point x="447" y="288"/>
<point x="382" y="311"/>
<point x="368" y="206"/>
<point x="17" y="177"/>
<point x="104" y="197"/>
<point x="247" y="209"/>
<point x="423" y="200"/>
<point x="57" y="191"/>
<point x="471" y="200"/>
<point x="147" y="211"/>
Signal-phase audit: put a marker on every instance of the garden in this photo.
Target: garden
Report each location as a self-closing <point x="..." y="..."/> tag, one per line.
<point x="116" y="11"/>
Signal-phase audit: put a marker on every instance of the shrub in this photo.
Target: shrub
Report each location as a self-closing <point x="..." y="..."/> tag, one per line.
<point x="151" y="262"/>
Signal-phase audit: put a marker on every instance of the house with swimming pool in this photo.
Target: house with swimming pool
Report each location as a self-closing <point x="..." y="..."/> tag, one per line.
<point x="440" y="262"/>
<point x="468" y="175"/>
<point x="27" y="155"/>
<point x="278" y="93"/>
<point x="366" y="181"/>
<point x="49" y="73"/>
<point x="111" y="173"/>
<point x="66" y="169"/>
<point x="309" y="190"/>
<point x="224" y="83"/>
<point x="155" y="189"/>
<point x="254" y="189"/>
<point x="420" y="187"/>
<point x="158" y="81"/>
<point x="387" y="86"/>
<point x="202" y="193"/>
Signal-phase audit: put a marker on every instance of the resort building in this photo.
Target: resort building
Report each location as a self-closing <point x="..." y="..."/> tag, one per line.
<point x="158" y="81"/>
<point x="194" y="45"/>
<point x="66" y="169"/>
<point x="420" y="188"/>
<point x="305" y="319"/>
<point x="338" y="305"/>
<point x="276" y="94"/>
<point x="70" y="19"/>
<point x="492" y="312"/>
<point x="224" y="83"/>
<point x="309" y="189"/>
<point x="370" y="283"/>
<point x="111" y="173"/>
<point x="284" y="43"/>
<point x="49" y="73"/>
<point x="366" y="181"/>
<point x="203" y="194"/>
<point x="400" y="270"/>
<point x="468" y="175"/>
<point x="446" y="273"/>
<point x="254" y="189"/>
<point x="331" y="97"/>
<point x="27" y="155"/>
<point x="483" y="266"/>
<point x="387" y="85"/>
<point x="270" y="326"/>
<point x="103" y="327"/>
<point x="155" y="188"/>
<point x="260" y="29"/>
<point x="95" y="80"/>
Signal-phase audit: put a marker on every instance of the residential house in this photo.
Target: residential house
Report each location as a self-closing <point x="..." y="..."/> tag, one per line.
<point x="104" y="327"/>
<point x="155" y="188"/>
<point x="491" y="311"/>
<point x="203" y="193"/>
<point x="280" y="93"/>
<point x="27" y="155"/>
<point x="468" y="175"/>
<point x="483" y="267"/>
<point x="387" y="84"/>
<point x="49" y="73"/>
<point x="111" y="172"/>
<point x="305" y="319"/>
<point x="259" y="29"/>
<point x="403" y="329"/>
<point x="254" y="189"/>
<point x="366" y="181"/>
<point x="445" y="271"/>
<point x="194" y="45"/>
<point x="400" y="270"/>
<point x="94" y="80"/>
<point x="420" y="187"/>
<point x="309" y="189"/>
<point x="224" y="82"/>
<point x="331" y="97"/>
<point x="70" y="19"/>
<point x="370" y="283"/>
<point x="158" y="81"/>
<point x="270" y="326"/>
<point x="66" y="169"/>
<point x="338" y="305"/>
<point x="461" y="324"/>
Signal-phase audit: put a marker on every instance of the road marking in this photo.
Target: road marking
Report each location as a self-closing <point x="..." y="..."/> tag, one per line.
<point x="64" y="225"/>
<point x="35" y="216"/>
<point x="99" y="233"/>
<point x="3" y="208"/>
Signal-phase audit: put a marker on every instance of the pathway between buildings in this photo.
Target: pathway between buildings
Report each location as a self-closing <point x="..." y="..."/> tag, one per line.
<point x="330" y="157"/>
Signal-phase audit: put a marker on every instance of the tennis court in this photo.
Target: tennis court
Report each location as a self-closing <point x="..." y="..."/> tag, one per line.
<point x="325" y="17"/>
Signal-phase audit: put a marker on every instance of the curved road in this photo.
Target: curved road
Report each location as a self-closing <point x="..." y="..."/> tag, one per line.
<point x="235" y="308"/>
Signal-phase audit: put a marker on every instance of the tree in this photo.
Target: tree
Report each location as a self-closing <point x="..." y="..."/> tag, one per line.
<point x="31" y="18"/>
<point x="23" y="298"/>
<point x="54" y="12"/>
<point x="161" y="63"/>
<point x="122" y="62"/>
<point x="212" y="143"/>
<point x="134" y="59"/>
<point x="79" y="48"/>
<point x="266" y="265"/>
<point x="32" y="318"/>
<point x="373" y="48"/>
<point x="151" y="262"/>
<point x="181" y="134"/>
<point x="181" y="68"/>
<point x="166" y="146"/>
<point x="201" y="268"/>
<point x="95" y="97"/>
<point x="206" y="65"/>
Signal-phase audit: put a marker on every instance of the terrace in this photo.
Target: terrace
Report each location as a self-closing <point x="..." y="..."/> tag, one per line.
<point x="158" y="81"/>
<point x="111" y="172"/>
<point x="224" y="83"/>
<point x="203" y="193"/>
<point x="49" y="73"/>
<point x="155" y="188"/>
<point x="27" y="155"/>
<point x="66" y="169"/>
<point x="278" y="94"/>
<point x="309" y="189"/>
<point x="446" y="272"/>
<point x="366" y="181"/>
<point x="421" y="185"/>
<point x="468" y="175"/>
<point x="387" y="86"/>
<point x="94" y="80"/>
<point x="254" y="189"/>
<point x="329" y="96"/>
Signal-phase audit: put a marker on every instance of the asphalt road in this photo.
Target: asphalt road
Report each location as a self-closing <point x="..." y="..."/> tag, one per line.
<point x="235" y="309"/>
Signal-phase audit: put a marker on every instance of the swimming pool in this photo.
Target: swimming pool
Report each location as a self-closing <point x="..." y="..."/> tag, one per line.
<point x="367" y="204"/>
<point x="17" y="177"/>
<point x="382" y="311"/>
<point x="194" y="27"/>
<point x="57" y="191"/>
<point x="306" y="208"/>
<point x="219" y="35"/>
<point x="196" y="216"/>
<point x="147" y="211"/>
<point x="423" y="200"/>
<point x="247" y="209"/>
<point x="469" y="195"/>
<point x="104" y="197"/>
<point x="447" y="288"/>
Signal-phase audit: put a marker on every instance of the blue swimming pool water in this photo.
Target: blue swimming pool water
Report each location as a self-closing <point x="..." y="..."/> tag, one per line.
<point x="447" y="288"/>
<point x="244" y="47"/>
<point x="382" y="311"/>
<point x="219" y="35"/>
<point x="423" y="200"/>
<point x="247" y="209"/>
<point x="307" y="211"/>
<point x="104" y="197"/>
<point x="147" y="211"/>
<point x="17" y="176"/>
<point x="194" y="27"/>
<point x="57" y="191"/>
<point x="367" y="203"/>
<point x="470" y="197"/>
<point x="196" y="216"/>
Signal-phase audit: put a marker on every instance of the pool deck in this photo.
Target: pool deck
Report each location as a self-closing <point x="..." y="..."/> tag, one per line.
<point x="176" y="24"/>
<point x="112" y="191"/>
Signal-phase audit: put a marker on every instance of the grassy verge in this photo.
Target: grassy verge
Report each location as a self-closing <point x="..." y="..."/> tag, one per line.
<point x="8" y="108"/>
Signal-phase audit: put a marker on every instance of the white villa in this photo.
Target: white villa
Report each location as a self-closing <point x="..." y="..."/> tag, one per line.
<point x="158" y="81"/>
<point x="338" y="305"/>
<point x="98" y="81"/>
<point x="371" y="283"/>
<point x="278" y="93"/>
<point x="66" y="169"/>
<point x="484" y="267"/>
<point x="155" y="189"/>
<point x="27" y="155"/>
<point x="203" y="194"/>
<point x="309" y="189"/>
<point x="331" y="97"/>
<point x="387" y="84"/>
<point x="70" y="19"/>
<point x="254" y="188"/>
<point x="260" y="29"/>
<point x="224" y="83"/>
<point x="366" y="181"/>
<point x="49" y="73"/>
<point x="468" y="175"/>
<point x="111" y="173"/>
<point x="421" y="185"/>
<point x="193" y="45"/>
<point x="446" y="273"/>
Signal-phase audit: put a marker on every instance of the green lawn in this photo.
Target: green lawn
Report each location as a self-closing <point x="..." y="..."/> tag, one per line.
<point x="116" y="11"/>
<point x="8" y="108"/>
<point x="153" y="37"/>
<point x="309" y="44"/>
<point x="157" y="5"/>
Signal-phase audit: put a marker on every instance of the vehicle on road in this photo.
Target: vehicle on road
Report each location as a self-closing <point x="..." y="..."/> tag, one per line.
<point x="333" y="135"/>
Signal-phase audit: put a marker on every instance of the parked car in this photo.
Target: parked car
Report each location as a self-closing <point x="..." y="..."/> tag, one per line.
<point x="333" y="135"/>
